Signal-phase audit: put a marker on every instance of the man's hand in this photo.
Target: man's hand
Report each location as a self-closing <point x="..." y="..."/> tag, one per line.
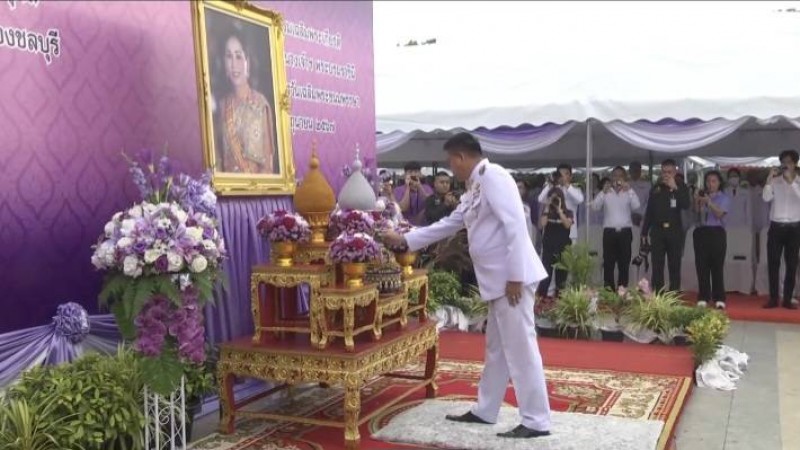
<point x="393" y="238"/>
<point x="513" y="292"/>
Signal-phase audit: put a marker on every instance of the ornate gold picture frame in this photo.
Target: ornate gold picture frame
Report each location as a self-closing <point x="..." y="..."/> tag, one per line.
<point x="244" y="101"/>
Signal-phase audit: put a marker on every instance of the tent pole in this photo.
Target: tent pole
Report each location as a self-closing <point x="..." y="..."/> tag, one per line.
<point x="588" y="193"/>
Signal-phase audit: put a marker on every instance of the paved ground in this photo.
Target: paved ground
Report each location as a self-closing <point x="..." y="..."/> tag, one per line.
<point x="763" y="413"/>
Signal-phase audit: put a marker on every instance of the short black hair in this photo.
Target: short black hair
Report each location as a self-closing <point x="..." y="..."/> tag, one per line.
<point x="731" y="171"/>
<point x="412" y="166"/>
<point x="464" y="142"/>
<point x="669" y="162"/>
<point x="790" y="153"/>
<point x="442" y="173"/>
<point x="564" y="166"/>
<point x="713" y="173"/>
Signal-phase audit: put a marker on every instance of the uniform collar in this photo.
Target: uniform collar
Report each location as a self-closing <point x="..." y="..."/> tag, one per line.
<point x="477" y="171"/>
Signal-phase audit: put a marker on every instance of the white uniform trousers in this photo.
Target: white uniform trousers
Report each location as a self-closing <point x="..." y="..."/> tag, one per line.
<point x="512" y="351"/>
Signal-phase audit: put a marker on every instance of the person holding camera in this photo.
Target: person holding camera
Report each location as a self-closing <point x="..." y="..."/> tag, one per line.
<point x="783" y="191"/>
<point x="556" y="222"/>
<point x="442" y="202"/>
<point x="710" y="240"/>
<point x="562" y="179"/>
<point x="618" y="202"/>
<point x="411" y="196"/>
<point x="662" y="227"/>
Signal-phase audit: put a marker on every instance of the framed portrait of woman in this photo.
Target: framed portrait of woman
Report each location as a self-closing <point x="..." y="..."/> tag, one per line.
<point x="244" y="102"/>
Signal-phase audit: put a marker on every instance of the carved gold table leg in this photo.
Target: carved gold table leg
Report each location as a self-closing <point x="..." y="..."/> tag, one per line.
<point x="352" y="411"/>
<point x="349" y="319"/>
<point x="227" y="404"/>
<point x="430" y="371"/>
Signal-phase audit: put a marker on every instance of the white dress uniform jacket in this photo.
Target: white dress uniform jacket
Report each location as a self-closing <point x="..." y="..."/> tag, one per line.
<point x="499" y="243"/>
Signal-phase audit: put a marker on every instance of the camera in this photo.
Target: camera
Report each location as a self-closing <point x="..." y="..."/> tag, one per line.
<point x="641" y="258"/>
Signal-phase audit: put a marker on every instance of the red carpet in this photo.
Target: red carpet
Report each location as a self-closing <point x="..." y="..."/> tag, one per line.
<point x="632" y="380"/>
<point x="617" y="356"/>
<point x="749" y="308"/>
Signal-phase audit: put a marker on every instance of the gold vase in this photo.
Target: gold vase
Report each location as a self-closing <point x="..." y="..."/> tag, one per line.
<point x="319" y="225"/>
<point x="354" y="274"/>
<point x="406" y="261"/>
<point x="283" y="253"/>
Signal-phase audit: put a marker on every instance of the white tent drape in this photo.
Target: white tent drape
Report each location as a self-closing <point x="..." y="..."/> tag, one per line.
<point x="389" y="141"/>
<point x="674" y="137"/>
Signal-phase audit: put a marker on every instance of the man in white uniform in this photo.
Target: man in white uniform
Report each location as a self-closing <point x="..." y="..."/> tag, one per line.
<point x="508" y="270"/>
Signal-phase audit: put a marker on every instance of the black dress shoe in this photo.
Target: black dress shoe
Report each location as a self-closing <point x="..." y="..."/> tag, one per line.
<point x="523" y="432"/>
<point x="466" y="418"/>
<point x="789" y="305"/>
<point x="771" y="304"/>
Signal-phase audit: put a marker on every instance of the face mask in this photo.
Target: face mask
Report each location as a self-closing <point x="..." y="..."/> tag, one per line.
<point x="733" y="181"/>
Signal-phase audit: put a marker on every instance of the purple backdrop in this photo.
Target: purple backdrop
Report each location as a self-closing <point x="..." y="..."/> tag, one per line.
<point x="125" y="79"/>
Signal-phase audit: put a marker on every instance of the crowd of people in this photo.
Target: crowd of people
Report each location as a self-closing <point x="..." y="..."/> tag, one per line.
<point x="650" y="220"/>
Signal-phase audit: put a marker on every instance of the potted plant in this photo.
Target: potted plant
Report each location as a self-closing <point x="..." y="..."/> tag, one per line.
<point x="573" y="313"/>
<point x="542" y="312"/>
<point x="162" y="258"/>
<point x="284" y="230"/>
<point x="680" y="319"/>
<point x="577" y="260"/>
<point x="99" y="398"/>
<point x="353" y="251"/>
<point x="651" y="314"/>
<point x="610" y="306"/>
<point x="706" y="335"/>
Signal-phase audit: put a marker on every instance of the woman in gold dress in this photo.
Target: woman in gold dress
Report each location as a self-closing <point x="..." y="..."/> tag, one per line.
<point x="248" y="130"/>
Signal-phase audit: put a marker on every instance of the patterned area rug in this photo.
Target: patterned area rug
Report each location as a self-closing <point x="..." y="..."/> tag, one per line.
<point x="425" y="424"/>
<point x="626" y="395"/>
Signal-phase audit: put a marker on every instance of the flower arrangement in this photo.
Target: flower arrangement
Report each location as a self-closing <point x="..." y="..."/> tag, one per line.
<point x="162" y="258"/>
<point x="354" y="248"/>
<point x="353" y="221"/>
<point x="282" y="226"/>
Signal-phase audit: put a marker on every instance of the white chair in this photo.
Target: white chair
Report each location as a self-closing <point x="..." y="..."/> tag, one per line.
<point x="688" y="267"/>
<point x="739" y="260"/>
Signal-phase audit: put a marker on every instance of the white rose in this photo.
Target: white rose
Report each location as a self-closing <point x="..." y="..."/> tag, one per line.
<point x="199" y="264"/>
<point x="175" y="262"/>
<point x="127" y="227"/>
<point x="151" y="255"/>
<point x="209" y="197"/>
<point x="109" y="228"/>
<point x="131" y="267"/>
<point x="195" y="233"/>
<point x="135" y="212"/>
<point x="209" y="245"/>
<point x="181" y="215"/>
<point x="124" y="242"/>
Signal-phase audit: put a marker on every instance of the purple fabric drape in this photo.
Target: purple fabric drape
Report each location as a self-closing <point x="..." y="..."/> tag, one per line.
<point x="49" y="344"/>
<point x="231" y="316"/>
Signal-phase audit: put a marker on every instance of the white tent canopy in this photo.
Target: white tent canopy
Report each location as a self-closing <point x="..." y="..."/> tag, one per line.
<point x="508" y="64"/>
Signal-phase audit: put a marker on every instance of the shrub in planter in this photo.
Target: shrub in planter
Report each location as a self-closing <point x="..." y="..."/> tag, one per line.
<point x="706" y="335"/>
<point x="572" y="312"/>
<point x="610" y="306"/>
<point x="100" y="397"/>
<point x="652" y="312"/>
<point x="577" y="260"/>
<point x="32" y="426"/>
<point x="679" y="320"/>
